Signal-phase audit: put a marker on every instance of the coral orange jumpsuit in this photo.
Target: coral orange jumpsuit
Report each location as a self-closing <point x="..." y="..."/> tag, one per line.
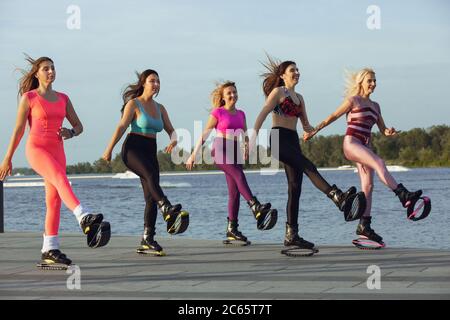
<point x="45" y="153"/>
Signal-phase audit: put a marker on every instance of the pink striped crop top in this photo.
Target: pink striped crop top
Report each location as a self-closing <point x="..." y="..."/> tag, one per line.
<point x="361" y="118"/>
<point x="228" y="122"/>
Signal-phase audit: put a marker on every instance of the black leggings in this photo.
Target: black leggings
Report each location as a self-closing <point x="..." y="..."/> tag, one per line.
<point x="139" y="155"/>
<point x="295" y="164"/>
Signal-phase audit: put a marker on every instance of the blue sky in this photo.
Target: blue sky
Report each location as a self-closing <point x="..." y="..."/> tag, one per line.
<point x="194" y="43"/>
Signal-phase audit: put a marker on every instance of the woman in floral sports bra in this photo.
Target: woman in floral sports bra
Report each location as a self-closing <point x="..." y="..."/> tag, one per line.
<point x="287" y="107"/>
<point x="362" y="114"/>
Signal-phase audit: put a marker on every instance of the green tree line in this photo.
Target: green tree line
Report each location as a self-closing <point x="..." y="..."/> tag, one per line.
<point x="414" y="148"/>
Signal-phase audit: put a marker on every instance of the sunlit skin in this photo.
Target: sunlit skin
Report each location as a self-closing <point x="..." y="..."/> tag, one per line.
<point x="151" y="89"/>
<point x="151" y="86"/>
<point x="291" y="77"/>
<point x="368" y="85"/>
<point x="230" y="97"/>
<point x="46" y="75"/>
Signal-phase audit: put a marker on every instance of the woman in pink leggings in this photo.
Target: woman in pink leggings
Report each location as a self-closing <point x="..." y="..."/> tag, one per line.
<point x="230" y="123"/>
<point x="45" y="110"/>
<point x="362" y="114"/>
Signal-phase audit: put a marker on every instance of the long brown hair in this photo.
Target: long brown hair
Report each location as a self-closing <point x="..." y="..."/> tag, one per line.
<point x="28" y="81"/>
<point x="217" y="93"/>
<point x="272" y="78"/>
<point x="134" y="90"/>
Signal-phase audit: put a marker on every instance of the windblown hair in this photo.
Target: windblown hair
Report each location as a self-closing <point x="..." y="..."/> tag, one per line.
<point x="136" y="89"/>
<point x="28" y="81"/>
<point x="272" y="78"/>
<point x="217" y="94"/>
<point x="353" y="82"/>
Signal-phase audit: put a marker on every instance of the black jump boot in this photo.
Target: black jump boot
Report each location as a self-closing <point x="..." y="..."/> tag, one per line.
<point x="407" y="198"/>
<point x="297" y="246"/>
<point x="293" y="239"/>
<point x="364" y="229"/>
<point x="177" y="219"/>
<point x="149" y="244"/>
<point x="352" y="204"/>
<point x="234" y="236"/>
<point x="54" y="260"/>
<point x="266" y="218"/>
<point x="418" y="207"/>
<point x="98" y="231"/>
<point x="368" y="239"/>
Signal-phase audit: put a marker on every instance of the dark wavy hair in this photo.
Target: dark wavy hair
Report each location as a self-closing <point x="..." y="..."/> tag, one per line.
<point x="136" y="89"/>
<point x="272" y="78"/>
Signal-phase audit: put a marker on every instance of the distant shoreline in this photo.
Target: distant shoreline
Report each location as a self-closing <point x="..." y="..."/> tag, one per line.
<point x="164" y="173"/>
<point x="193" y="173"/>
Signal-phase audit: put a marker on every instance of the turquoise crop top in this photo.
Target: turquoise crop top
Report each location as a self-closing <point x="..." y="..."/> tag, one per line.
<point x="145" y="123"/>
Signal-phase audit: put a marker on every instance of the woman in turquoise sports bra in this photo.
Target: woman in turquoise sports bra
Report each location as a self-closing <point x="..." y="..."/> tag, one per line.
<point x="146" y="117"/>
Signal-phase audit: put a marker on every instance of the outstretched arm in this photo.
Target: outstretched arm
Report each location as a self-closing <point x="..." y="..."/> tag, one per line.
<point x="21" y="121"/>
<point x="127" y="117"/>
<point x="343" y="108"/>
<point x="210" y="125"/>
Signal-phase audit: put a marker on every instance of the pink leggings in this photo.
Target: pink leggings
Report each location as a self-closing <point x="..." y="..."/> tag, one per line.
<point x="46" y="157"/>
<point x="367" y="162"/>
<point x="226" y="153"/>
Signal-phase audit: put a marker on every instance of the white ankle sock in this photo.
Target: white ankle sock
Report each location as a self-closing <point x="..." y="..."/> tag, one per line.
<point x="80" y="212"/>
<point x="50" y="243"/>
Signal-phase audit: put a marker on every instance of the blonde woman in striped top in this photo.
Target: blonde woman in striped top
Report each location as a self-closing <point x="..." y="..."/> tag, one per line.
<point x="362" y="114"/>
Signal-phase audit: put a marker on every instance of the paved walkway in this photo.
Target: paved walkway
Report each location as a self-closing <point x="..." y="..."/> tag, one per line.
<point x="200" y="269"/>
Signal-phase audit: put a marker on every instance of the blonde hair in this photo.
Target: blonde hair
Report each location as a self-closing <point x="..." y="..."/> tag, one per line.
<point x="353" y="85"/>
<point x="217" y="93"/>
